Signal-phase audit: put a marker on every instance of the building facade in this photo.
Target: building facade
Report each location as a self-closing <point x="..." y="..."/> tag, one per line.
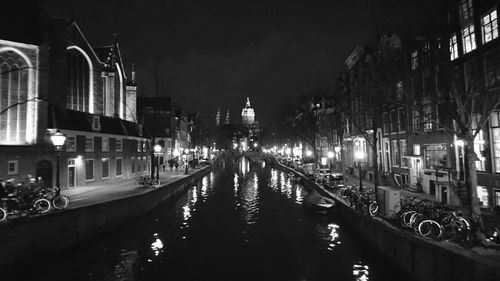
<point x="60" y="82"/>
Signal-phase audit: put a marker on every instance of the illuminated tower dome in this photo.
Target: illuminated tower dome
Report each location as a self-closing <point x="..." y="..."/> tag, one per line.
<point x="247" y="114"/>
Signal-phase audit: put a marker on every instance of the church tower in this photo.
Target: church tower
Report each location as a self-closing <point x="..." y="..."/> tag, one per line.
<point x="227" y="121"/>
<point x="247" y="114"/>
<point x="217" y="118"/>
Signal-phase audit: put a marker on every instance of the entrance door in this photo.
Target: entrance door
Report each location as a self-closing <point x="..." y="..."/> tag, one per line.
<point x="44" y="172"/>
<point x="71" y="173"/>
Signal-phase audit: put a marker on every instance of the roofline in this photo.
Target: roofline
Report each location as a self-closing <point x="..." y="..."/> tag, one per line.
<point x="86" y="41"/>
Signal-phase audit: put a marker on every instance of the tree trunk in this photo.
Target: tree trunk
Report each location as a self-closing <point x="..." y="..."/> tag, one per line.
<point x="471" y="187"/>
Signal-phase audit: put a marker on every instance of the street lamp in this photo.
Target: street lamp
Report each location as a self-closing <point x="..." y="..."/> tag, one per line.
<point x="186" y="151"/>
<point x="157" y="149"/>
<point x="359" y="156"/>
<point x="58" y="140"/>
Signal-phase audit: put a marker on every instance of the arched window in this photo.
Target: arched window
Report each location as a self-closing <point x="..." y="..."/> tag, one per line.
<point x="78" y="97"/>
<point x="14" y="95"/>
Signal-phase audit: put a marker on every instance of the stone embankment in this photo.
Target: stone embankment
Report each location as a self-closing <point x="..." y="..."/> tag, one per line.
<point x="24" y="242"/>
<point x="426" y="260"/>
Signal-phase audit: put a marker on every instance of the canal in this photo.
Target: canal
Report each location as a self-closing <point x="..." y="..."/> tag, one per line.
<point x="236" y="223"/>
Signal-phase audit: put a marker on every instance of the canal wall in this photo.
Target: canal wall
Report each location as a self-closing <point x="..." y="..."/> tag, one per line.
<point x="24" y="242"/>
<point x="423" y="259"/>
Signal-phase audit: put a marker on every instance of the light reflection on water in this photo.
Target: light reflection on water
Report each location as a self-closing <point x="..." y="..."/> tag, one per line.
<point x="202" y="229"/>
<point x="361" y="272"/>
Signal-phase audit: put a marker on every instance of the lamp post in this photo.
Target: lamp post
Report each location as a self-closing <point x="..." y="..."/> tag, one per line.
<point x="58" y="140"/>
<point x="186" y="151"/>
<point x="157" y="149"/>
<point x="359" y="156"/>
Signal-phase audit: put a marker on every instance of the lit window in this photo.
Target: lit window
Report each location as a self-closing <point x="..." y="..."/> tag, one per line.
<point x="495" y="130"/>
<point x="139" y="146"/>
<point x="105" y="168"/>
<point x="89" y="144"/>
<point x="497" y="196"/>
<point x="482" y="195"/>
<point x="465" y="9"/>
<point x="402" y="148"/>
<point x="89" y="169"/>
<point x="14" y="81"/>
<point x="468" y="38"/>
<point x="70" y="143"/>
<point x="453" y="47"/>
<point x="78" y="97"/>
<point x="13" y="167"/>
<point x="427" y="118"/>
<point x="105" y="144"/>
<point x="414" y="60"/>
<point x="479" y="147"/>
<point x="489" y="24"/>
<point x="119" y="162"/>
<point x="118" y="144"/>
<point x="416" y="149"/>
<point x="435" y="155"/>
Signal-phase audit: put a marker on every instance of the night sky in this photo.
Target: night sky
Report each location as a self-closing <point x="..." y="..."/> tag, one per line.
<point x="215" y="53"/>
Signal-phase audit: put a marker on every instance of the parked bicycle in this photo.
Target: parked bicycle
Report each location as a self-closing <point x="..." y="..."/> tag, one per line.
<point x="148" y="181"/>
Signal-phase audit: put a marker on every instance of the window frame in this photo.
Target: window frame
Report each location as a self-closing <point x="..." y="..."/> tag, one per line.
<point x="86" y="169"/>
<point x="71" y="143"/>
<point x="492" y="24"/>
<point x="14" y="171"/>
<point x="119" y="159"/>
<point x="104" y="148"/>
<point x="87" y="142"/>
<point x="468" y="39"/>
<point x="120" y="147"/>
<point x="107" y="161"/>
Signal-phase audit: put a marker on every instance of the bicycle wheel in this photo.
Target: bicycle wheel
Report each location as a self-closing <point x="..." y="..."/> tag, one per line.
<point x="405" y="218"/>
<point x="60" y="202"/>
<point x="373" y="208"/>
<point x="155" y="183"/>
<point x="42" y="205"/>
<point x="3" y="214"/>
<point x="430" y="229"/>
<point x="343" y="193"/>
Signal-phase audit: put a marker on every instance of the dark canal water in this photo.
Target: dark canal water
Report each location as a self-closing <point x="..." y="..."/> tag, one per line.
<point x="237" y="223"/>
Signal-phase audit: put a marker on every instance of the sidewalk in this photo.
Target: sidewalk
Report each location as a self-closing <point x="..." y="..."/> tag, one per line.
<point x="104" y="192"/>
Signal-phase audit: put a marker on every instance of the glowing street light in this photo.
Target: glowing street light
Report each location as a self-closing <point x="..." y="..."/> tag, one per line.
<point x="58" y="140"/>
<point x="309" y="153"/>
<point x="157" y="149"/>
<point x="330" y="154"/>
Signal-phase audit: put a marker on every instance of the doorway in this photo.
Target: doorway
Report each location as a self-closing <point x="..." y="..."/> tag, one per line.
<point x="44" y="172"/>
<point x="71" y="173"/>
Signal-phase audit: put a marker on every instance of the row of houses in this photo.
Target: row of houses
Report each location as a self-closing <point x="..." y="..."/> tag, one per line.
<point x="404" y="108"/>
<point x="53" y="80"/>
